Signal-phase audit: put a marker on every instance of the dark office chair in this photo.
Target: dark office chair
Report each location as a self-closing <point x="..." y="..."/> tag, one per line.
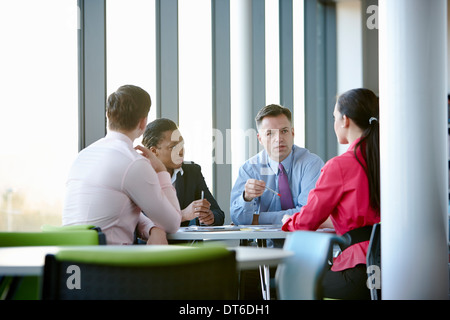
<point x="299" y="277"/>
<point x="139" y="272"/>
<point x="374" y="259"/>
<point x="27" y="288"/>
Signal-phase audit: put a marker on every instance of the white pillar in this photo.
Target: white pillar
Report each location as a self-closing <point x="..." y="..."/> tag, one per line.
<point x="241" y="79"/>
<point x="413" y="126"/>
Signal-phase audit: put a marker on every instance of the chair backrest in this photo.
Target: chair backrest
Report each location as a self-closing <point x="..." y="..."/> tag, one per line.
<point x="50" y="227"/>
<point x="139" y="272"/>
<point x="51" y="238"/>
<point x="300" y="276"/>
<point x="82" y="227"/>
<point x="28" y="287"/>
<point x="373" y="260"/>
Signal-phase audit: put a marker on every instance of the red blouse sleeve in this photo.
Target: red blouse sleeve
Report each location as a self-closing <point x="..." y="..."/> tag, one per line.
<point x="322" y="200"/>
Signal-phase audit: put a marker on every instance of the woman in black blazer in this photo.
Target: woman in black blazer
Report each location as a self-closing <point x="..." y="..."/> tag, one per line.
<point x="197" y="204"/>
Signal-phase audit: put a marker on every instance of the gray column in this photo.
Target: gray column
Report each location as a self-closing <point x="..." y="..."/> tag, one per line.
<point x="241" y="80"/>
<point x="413" y="140"/>
<point x="369" y="10"/>
<point x="258" y="57"/>
<point x="167" y="59"/>
<point x="286" y="55"/>
<point x="221" y="104"/>
<point x="92" y="71"/>
<point x="320" y="77"/>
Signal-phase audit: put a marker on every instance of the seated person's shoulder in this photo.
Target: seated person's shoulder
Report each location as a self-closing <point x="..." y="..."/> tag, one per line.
<point x="191" y="166"/>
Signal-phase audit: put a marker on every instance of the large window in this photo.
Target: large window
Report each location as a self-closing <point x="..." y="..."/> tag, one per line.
<point x="195" y="82"/>
<point x="299" y="71"/>
<point x="131" y="57"/>
<point x="38" y="109"/>
<point x="272" y="47"/>
<point x="39" y="85"/>
<point x="130" y="41"/>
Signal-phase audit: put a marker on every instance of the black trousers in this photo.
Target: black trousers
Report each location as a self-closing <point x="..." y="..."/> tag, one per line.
<point x="349" y="284"/>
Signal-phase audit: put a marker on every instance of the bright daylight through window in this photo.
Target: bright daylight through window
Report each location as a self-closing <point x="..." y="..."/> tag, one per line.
<point x="39" y="109"/>
<point x="39" y="83"/>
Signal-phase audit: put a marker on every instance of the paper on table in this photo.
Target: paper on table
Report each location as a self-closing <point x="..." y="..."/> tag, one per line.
<point x="209" y="229"/>
<point x="260" y="228"/>
<point x="230" y="228"/>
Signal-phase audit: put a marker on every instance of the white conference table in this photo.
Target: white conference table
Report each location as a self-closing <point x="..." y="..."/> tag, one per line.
<point x="228" y="232"/>
<point x="29" y="261"/>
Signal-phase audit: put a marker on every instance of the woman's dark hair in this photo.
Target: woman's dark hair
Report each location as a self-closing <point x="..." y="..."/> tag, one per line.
<point x="126" y="106"/>
<point x="362" y="106"/>
<point x="154" y="131"/>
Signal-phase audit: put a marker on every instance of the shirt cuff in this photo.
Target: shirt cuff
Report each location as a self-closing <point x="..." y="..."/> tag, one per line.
<point x="144" y="226"/>
<point x="248" y="205"/>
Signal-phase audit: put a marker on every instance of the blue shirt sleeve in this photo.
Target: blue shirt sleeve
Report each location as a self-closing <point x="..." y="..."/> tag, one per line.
<point x="303" y="176"/>
<point x="241" y="211"/>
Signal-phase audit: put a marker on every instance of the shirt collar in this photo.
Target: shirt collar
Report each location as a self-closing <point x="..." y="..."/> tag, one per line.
<point x="175" y="172"/>
<point x="287" y="163"/>
<point x="352" y="146"/>
<point x="119" y="136"/>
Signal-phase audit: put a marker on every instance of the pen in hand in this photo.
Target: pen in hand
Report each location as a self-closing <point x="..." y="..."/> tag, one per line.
<point x="273" y="191"/>
<point x="202" y="197"/>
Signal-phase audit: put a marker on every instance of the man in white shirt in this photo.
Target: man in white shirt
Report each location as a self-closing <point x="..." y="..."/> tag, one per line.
<point x="112" y="186"/>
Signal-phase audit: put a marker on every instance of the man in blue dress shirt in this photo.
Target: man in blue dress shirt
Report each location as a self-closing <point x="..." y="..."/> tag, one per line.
<point x="252" y="201"/>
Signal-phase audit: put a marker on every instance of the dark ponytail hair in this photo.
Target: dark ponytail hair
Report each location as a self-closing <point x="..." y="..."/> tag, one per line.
<point x="362" y="106"/>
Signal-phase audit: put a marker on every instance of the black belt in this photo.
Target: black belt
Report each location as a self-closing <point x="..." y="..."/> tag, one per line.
<point x="355" y="236"/>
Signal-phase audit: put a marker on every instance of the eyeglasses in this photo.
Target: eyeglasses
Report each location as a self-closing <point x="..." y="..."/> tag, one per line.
<point x="179" y="145"/>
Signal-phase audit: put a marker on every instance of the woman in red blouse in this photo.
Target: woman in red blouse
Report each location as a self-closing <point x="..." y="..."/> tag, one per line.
<point x="347" y="192"/>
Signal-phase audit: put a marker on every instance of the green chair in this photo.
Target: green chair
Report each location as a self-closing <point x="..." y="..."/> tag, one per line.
<point x="141" y="272"/>
<point x="49" y="227"/>
<point x="300" y="276"/>
<point x="66" y="238"/>
<point x="84" y="227"/>
<point x="27" y="288"/>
